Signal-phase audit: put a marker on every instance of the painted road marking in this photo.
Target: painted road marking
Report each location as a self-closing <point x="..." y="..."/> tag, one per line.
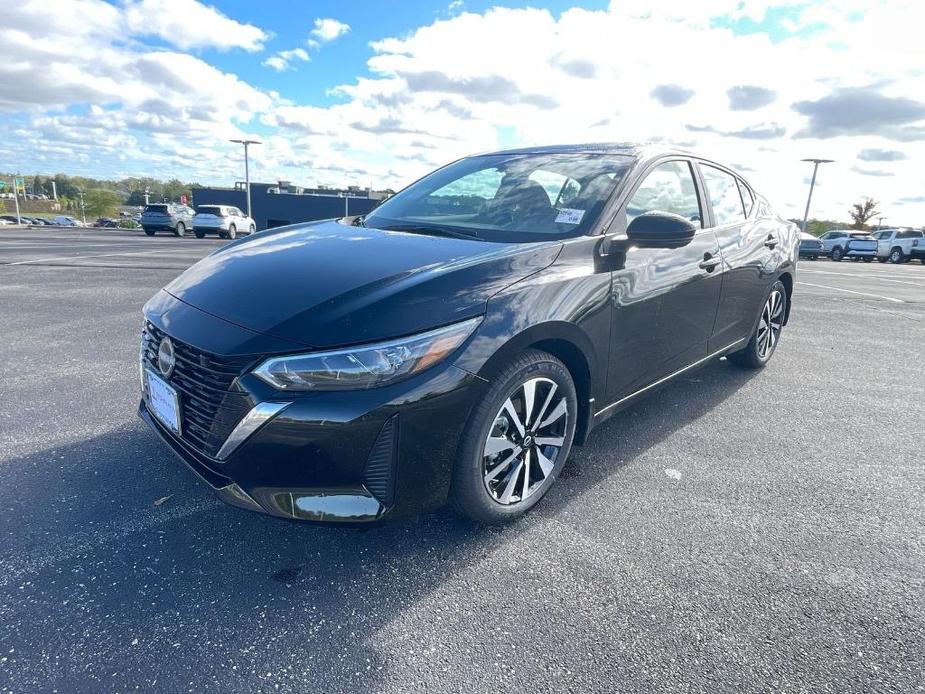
<point x="851" y="291"/>
<point x="878" y="278"/>
<point x="78" y="257"/>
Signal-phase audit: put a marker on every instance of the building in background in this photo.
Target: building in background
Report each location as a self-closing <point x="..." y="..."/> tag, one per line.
<point x="281" y="203"/>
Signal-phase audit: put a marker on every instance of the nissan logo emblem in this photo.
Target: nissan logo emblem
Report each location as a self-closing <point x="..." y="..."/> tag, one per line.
<point x="166" y="359"/>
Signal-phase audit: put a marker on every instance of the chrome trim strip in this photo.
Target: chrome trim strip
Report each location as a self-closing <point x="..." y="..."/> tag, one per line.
<point x="253" y="420"/>
<point x="670" y="376"/>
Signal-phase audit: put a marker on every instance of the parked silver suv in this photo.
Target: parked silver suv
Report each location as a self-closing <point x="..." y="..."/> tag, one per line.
<point x="848" y="243"/>
<point x="896" y="245"/>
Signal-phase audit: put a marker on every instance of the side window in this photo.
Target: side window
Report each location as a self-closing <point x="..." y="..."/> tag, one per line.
<point x="724" y="195"/>
<point x="668" y="188"/>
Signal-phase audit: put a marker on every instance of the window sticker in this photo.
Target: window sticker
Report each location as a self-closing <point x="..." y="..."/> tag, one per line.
<point x="569" y="216"/>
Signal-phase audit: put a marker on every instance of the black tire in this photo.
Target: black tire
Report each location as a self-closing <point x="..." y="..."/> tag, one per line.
<point x="252" y="229"/>
<point x="180" y="229"/>
<point x="469" y="490"/>
<point x="896" y="255"/>
<point x="752" y="355"/>
<point x="200" y="234"/>
<point x="149" y="232"/>
<point x="232" y="232"/>
<point x="868" y="260"/>
<point x="837" y="254"/>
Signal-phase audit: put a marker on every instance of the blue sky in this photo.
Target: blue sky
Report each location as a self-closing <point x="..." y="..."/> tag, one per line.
<point x="112" y="88"/>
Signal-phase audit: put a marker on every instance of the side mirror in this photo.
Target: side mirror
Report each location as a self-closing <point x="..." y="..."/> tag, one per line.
<point x="661" y="230"/>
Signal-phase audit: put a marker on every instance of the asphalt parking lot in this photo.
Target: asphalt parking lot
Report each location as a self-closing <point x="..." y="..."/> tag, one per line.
<point x="736" y="532"/>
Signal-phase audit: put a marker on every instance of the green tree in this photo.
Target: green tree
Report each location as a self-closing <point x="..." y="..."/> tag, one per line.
<point x="101" y="203"/>
<point x="862" y="212"/>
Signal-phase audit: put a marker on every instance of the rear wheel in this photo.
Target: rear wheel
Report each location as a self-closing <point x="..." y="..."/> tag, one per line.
<point x="180" y="230"/>
<point x="149" y="232"/>
<point x="516" y="440"/>
<point x="764" y="340"/>
<point x="232" y="232"/>
<point x="896" y="256"/>
<point x="837" y="254"/>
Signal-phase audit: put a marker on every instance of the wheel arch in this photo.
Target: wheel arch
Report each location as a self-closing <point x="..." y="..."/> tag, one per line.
<point x="569" y="345"/>
<point x="787" y="280"/>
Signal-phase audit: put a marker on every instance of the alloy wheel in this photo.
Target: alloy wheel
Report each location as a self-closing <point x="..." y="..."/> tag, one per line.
<point x="772" y="319"/>
<point x="525" y="440"/>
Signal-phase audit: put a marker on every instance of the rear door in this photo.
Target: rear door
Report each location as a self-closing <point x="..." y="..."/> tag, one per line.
<point x="748" y="246"/>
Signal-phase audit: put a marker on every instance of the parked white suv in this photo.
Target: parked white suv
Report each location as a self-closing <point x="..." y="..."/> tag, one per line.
<point x="224" y="220"/>
<point x="896" y="245"/>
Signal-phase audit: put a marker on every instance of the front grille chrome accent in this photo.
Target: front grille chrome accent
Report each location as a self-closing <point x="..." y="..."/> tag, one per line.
<point x="256" y="418"/>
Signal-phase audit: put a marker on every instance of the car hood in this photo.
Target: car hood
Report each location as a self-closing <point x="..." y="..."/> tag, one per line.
<point x="325" y="284"/>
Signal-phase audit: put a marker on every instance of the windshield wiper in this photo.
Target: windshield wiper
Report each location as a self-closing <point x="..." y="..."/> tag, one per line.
<point x="431" y="231"/>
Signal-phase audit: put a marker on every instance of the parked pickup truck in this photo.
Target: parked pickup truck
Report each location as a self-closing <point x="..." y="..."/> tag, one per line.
<point x="847" y="243"/>
<point x="896" y="245"/>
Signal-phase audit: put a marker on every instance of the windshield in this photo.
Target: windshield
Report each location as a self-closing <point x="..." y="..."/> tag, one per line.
<point x="508" y="197"/>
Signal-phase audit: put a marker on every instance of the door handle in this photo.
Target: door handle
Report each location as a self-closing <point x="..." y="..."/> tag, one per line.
<point x="771" y="242"/>
<point x="709" y="263"/>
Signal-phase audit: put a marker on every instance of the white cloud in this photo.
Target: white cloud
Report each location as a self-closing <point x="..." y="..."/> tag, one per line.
<point x="283" y="60"/>
<point x="191" y="24"/>
<point x="328" y="29"/>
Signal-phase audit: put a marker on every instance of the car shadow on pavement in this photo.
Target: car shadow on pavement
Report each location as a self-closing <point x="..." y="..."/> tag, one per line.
<point x="101" y="586"/>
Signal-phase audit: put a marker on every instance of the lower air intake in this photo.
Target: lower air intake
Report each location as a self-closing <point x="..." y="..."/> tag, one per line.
<point x="379" y="477"/>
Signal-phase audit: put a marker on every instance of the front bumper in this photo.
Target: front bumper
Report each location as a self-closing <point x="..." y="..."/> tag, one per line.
<point x="341" y="456"/>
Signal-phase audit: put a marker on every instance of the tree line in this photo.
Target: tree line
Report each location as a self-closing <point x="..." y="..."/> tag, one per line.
<point x="103" y="196"/>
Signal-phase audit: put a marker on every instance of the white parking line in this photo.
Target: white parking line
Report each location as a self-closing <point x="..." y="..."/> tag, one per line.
<point x="851" y="291"/>
<point x="80" y="257"/>
<point x="879" y="278"/>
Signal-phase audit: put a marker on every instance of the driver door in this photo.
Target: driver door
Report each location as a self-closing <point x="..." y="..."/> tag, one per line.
<point x="664" y="299"/>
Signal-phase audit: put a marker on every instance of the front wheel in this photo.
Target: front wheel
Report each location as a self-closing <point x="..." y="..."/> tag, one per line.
<point x="180" y="230"/>
<point x="252" y="229"/>
<point x="516" y="440"/>
<point x="837" y="254"/>
<point x="200" y="234"/>
<point x="764" y="340"/>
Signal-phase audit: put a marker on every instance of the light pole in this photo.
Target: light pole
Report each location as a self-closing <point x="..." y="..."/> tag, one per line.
<point x="880" y="222"/>
<point x="247" y="172"/>
<point x="816" y="163"/>
<point x="16" y="199"/>
<point x="83" y="212"/>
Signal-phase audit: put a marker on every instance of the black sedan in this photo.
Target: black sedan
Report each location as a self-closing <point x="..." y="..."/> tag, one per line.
<point x="455" y="343"/>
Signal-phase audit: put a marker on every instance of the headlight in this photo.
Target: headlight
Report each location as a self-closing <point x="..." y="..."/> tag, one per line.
<point x="366" y="366"/>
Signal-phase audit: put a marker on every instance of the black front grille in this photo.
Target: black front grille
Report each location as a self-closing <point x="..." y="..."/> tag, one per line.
<point x="210" y="406"/>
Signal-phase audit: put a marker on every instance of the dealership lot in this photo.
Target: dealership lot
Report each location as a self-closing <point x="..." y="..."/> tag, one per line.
<point x="734" y="532"/>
